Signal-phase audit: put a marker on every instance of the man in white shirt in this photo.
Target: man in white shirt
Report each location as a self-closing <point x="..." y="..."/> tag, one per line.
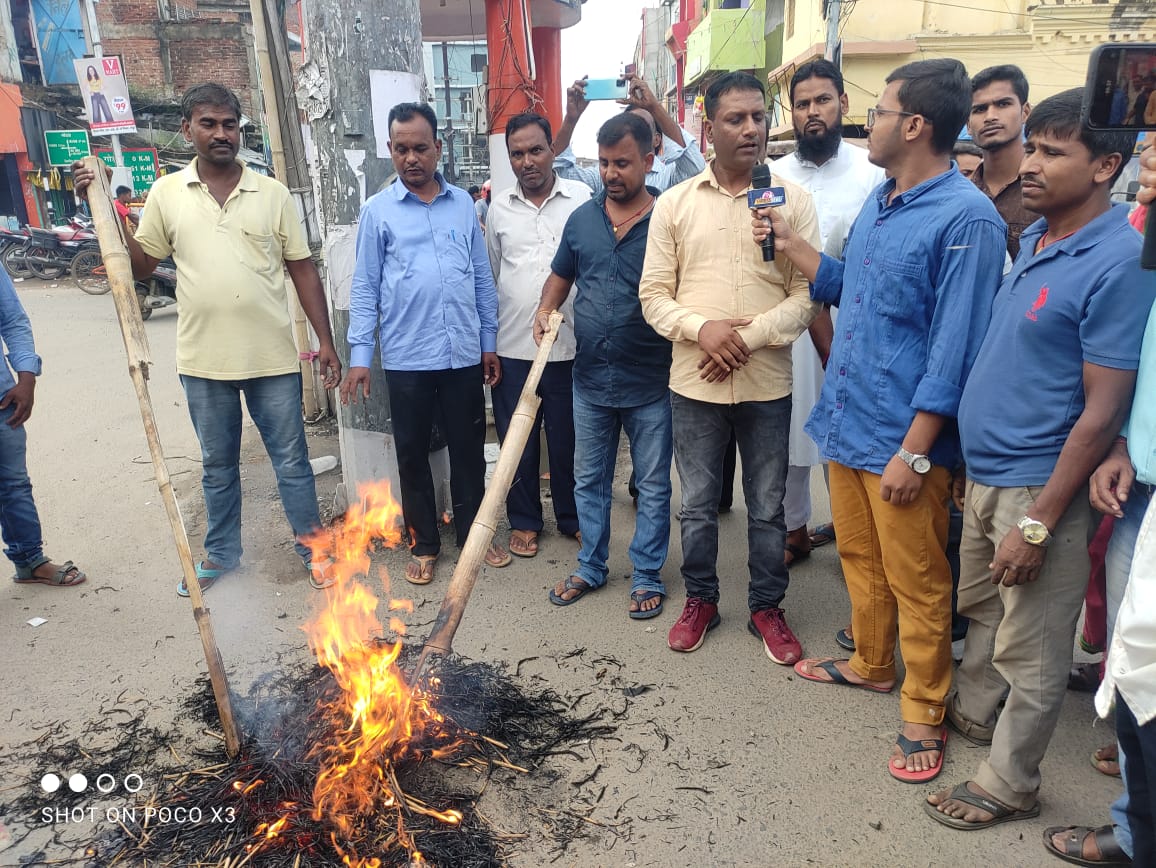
<point x="839" y="177"/>
<point x="523" y="226"/>
<point x="677" y="155"/>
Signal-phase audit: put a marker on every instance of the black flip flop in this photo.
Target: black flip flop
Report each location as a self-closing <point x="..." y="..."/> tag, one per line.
<point x="844" y="641"/>
<point x="573" y="583"/>
<point x="641" y="597"/>
<point x="837" y="677"/>
<point x="1000" y="812"/>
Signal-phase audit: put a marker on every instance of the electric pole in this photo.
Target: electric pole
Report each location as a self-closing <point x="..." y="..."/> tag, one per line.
<point x="832" y="51"/>
<point x="358" y="62"/>
<point x="451" y="170"/>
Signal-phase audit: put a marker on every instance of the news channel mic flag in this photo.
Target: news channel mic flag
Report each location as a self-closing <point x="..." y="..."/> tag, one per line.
<point x="105" y="92"/>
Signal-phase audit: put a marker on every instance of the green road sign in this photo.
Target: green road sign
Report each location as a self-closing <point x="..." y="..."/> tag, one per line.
<point x="142" y="161"/>
<point x="65" y="147"/>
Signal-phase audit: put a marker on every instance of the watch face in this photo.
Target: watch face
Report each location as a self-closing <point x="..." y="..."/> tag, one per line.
<point x="1034" y="532"/>
<point x="922" y="464"/>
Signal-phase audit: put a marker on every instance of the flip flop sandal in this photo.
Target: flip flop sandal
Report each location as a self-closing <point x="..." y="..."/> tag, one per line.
<point x="837" y="677"/>
<point x="823" y="534"/>
<point x="910" y="746"/>
<point x="1000" y="812"/>
<point x="67" y="575"/>
<point x="497" y="557"/>
<point x="425" y="569"/>
<point x="205" y="576"/>
<point x="640" y="597"/>
<point x="573" y="583"/>
<point x="1073" y="852"/>
<point x="844" y="641"/>
<point x="528" y="539"/>
<point x="321" y="573"/>
<point x="1100" y="764"/>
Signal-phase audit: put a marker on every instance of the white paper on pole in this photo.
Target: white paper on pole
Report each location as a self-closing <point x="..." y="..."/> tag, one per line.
<point x="386" y="89"/>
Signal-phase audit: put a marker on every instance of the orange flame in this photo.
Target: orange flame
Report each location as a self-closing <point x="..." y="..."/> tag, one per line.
<point x="378" y="714"/>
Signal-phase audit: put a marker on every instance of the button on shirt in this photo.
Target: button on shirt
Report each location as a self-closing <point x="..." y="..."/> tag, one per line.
<point x="914" y="291"/>
<point x="619" y="361"/>
<point x="839" y="187"/>
<point x="701" y="265"/>
<point x="675" y="165"/>
<point x="1083" y="299"/>
<point x="521" y="239"/>
<point x="16" y="333"/>
<point x="422" y="284"/>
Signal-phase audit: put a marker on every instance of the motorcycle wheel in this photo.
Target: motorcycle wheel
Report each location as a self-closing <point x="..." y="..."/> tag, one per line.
<point x="88" y="272"/>
<point x="142" y="299"/>
<point x="44" y="272"/>
<point x="13" y="259"/>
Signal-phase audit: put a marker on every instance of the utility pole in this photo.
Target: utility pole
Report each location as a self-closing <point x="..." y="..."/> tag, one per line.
<point x="833" y="50"/>
<point x="451" y="171"/>
<point x="358" y="65"/>
<point x="92" y="31"/>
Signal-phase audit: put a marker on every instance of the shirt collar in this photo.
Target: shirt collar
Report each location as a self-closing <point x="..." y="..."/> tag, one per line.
<point x="248" y="176"/>
<point x="706" y="176"/>
<point x="559" y="189"/>
<point x="1088" y="235"/>
<point x="915" y="192"/>
<point x="600" y="200"/>
<point x="399" y="190"/>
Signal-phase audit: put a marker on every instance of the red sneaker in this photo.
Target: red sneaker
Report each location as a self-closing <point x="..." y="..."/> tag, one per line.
<point x="779" y="642"/>
<point x="689" y="630"/>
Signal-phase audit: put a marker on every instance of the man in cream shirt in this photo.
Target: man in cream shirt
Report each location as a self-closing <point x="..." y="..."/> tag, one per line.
<point x="732" y="318"/>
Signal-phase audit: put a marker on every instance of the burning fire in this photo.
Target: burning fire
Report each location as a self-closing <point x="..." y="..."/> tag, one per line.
<point x="378" y="716"/>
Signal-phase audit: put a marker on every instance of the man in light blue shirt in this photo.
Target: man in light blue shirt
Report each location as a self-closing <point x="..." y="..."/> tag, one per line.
<point x="19" y="520"/>
<point x="677" y="155"/>
<point x="423" y="289"/>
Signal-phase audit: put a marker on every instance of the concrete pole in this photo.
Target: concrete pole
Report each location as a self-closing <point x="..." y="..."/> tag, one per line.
<point x="832" y="52"/>
<point x="359" y="65"/>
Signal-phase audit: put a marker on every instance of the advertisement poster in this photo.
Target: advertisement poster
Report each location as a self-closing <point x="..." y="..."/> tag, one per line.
<point x="105" y="92"/>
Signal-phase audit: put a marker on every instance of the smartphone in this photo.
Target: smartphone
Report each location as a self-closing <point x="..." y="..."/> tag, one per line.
<point x="606" y="88"/>
<point x="1120" y="93"/>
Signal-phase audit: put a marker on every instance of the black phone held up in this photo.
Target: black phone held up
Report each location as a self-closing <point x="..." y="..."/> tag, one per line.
<point x="1120" y="95"/>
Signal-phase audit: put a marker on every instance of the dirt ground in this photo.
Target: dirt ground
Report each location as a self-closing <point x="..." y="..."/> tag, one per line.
<point x="720" y="757"/>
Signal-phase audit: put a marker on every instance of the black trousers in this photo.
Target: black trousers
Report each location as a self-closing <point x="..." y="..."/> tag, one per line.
<point x="454" y="398"/>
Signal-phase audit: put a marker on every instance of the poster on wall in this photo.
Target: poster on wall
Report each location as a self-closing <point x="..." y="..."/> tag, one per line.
<point x="105" y="93"/>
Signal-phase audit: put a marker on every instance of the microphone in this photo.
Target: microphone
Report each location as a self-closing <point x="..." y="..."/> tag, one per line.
<point x="763" y="195"/>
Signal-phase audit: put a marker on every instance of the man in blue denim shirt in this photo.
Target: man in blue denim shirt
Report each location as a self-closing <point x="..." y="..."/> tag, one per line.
<point x="19" y="520"/>
<point x="423" y="289"/>
<point x="621" y="368"/>
<point x="914" y="291"/>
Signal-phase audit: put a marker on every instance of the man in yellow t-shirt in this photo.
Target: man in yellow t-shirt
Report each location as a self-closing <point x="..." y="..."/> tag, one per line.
<point x="231" y="233"/>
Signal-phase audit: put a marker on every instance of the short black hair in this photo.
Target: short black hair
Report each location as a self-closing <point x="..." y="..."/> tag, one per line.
<point x="940" y="92"/>
<point x="626" y="124"/>
<point x="724" y="84"/>
<point x="407" y="111"/>
<point x="122" y="189"/>
<point x="1008" y="72"/>
<point x="818" y="68"/>
<point x="1060" y="115"/>
<point x="965" y="147"/>
<point x="474" y="190"/>
<point x="527" y="119"/>
<point x="211" y="94"/>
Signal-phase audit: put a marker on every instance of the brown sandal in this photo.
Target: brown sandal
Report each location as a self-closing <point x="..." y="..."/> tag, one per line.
<point x="420" y="570"/>
<point x="524" y="543"/>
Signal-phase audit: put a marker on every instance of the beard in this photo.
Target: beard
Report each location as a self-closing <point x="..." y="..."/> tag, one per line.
<point x="819" y="148"/>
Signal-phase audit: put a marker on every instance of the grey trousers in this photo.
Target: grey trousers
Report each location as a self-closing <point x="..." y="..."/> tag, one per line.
<point x="1020" y="639"/>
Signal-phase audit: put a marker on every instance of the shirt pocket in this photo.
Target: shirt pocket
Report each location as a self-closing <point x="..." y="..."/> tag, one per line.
<point x="257" y="251"/>
<point x="454" y="252"/>
<point x="899" y="289"/>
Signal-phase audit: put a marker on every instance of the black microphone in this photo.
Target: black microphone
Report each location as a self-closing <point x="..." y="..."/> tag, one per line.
<point x="761" y="179"/>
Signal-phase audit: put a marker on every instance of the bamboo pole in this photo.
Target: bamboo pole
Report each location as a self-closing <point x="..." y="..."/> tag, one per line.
<point x="485" y="523"/>
<point x="119" y="268"/>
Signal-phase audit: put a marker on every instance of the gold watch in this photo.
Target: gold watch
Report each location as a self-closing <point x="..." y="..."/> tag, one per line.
<point x="1034" y="532"/>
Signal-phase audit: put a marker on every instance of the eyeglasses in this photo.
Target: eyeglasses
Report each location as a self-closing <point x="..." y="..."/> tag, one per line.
<point x="873" y="113"/>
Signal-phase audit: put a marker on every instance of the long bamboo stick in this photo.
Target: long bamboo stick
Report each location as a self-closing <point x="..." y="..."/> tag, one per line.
<point x="485" y="523"/>
<point x="119" y="269"/>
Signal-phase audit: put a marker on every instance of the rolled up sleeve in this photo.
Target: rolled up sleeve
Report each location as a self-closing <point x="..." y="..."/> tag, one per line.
<point x="828" y="285"/>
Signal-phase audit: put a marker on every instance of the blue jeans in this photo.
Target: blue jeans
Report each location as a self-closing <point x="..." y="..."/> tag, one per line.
<point x="19" y="520"/>
<point x="274" y="403"/>
<point x="1117" y="566"/>
<point x="596" y="434"/>
<point x="701" y="433"/>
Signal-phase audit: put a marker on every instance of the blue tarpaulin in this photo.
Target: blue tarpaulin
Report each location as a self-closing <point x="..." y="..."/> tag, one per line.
<point x="60" y="36"/>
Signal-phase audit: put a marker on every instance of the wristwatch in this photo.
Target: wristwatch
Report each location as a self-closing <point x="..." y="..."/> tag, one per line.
<point x="1034" y="532"/>
<point x="921" y="464"/>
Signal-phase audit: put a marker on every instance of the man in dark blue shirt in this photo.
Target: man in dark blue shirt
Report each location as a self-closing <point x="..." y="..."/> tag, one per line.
<point x="621" y="368"/>
<point x="914" y="290"/>
<point x="1048" y="394"/>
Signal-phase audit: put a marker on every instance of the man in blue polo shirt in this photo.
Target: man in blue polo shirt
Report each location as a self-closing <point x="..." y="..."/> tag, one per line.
<point x="621" y="368"/>
<point x="1047" y="395"/>
<point x="423" y="289"/>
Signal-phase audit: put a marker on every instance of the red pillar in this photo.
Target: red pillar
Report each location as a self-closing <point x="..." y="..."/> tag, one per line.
<point x="508" y="46"/>
<point x="547" y="43"/>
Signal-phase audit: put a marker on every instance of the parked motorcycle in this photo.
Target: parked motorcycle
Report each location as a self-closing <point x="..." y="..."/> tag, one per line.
<point x="48" y="253"/>
<point x="158" y="290"/>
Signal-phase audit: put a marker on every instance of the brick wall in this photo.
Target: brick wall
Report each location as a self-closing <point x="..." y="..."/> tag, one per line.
<point x="209" y="59"/>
